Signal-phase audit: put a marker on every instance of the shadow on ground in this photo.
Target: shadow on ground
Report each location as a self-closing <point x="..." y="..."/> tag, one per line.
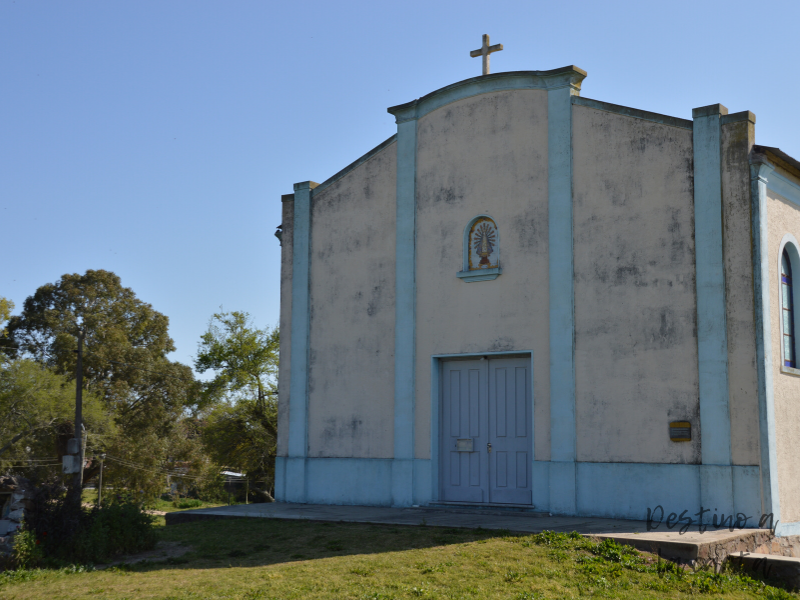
<point x="262" y="542"/>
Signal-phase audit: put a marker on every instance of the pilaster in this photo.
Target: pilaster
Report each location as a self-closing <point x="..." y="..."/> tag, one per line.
<point x="716" y="476"/>
<point x="562" y="472"/>
<point x="295" y="465"/>
<point x="405" y="314"/>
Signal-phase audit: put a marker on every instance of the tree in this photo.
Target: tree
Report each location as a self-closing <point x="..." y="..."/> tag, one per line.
<point x="241" y="429"/>
<point x="125" y="341"/>
<point x="124" y="361"/>
<point x="36" y="406"/>
<point x="6" y="306"/>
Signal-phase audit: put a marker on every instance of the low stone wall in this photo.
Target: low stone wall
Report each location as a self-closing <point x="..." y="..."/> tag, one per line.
<point x="761" y="541"/>
<point x="22" y="492"/>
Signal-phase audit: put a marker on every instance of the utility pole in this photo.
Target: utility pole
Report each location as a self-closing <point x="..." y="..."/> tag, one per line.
<point x="100" y="483"/>
<point x="74" y="462"/>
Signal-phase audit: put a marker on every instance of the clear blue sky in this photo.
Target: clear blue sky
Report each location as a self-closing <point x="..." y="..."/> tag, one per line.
<point x="154" y="139"/>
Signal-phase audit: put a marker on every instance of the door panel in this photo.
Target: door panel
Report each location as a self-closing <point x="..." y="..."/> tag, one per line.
<point x="488" y="402"/>
<point x="509" y="402"/>
<point x="464" y="407"/>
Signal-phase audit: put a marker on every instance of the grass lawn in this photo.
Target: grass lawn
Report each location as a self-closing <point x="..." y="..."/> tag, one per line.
<point x="261" y="559"/>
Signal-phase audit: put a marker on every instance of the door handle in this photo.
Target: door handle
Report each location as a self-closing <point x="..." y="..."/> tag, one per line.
<point x="489" y="447"/>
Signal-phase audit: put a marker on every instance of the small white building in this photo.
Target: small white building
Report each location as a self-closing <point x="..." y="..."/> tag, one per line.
<point x="528" y="297"/>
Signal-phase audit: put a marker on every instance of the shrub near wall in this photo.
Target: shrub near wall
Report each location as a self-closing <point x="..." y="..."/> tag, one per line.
<point x="56" y="531"/>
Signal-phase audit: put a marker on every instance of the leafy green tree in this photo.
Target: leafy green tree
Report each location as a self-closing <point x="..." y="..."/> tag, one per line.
<point x="124" y="363"/>
<point x="6" y="306"/>
<point x="125" y="346"/>
<point x="36" y="407"/>
<point x="240" y="431"/>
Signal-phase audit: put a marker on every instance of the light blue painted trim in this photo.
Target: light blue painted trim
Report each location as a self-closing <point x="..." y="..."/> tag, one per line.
<point x="356" y="163"/>
<point x="627" y="490"/>
<point x="423" y="492"/>
<point x="786" y="529"/>
<point x="405" y="314"/>
<point x="784" y="186"/>
<point x="298" y="377"/>
<point x="747" y="489"/>
<point x="613" y="490"/>
<point x="436" y="409"/>
<point x="280" y="478"/>
<point x="514" y="80"/>
<point x="770" y="497"/>
<point x="564" y="497"/>
<point x="480" y="274"/>
<point x="436" y="417"/>
<point x="712" y="337"/>
<point x="562" y="300"/>
<point x="633" y="112"/>
<point x="541" y="485"/>
<point x="716" y="487"/>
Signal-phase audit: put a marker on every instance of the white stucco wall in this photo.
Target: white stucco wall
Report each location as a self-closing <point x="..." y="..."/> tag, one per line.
<point x="784" y="217"/>
<point x="635" y="300"/>
<point x="352" y="292"/>
<point x="483" y="155"/>
<point x="737" y="140"/>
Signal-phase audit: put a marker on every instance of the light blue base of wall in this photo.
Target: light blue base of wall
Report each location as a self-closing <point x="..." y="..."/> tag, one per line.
<point x="784" y="529"/>
<point x="354" y="481"/>
<point x="611" y="490"/>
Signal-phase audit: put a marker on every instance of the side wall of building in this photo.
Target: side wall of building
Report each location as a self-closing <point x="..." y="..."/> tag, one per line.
<point x="284" y="368"/>
<point x="737" y="139"/>
<point x="783" y="214"/>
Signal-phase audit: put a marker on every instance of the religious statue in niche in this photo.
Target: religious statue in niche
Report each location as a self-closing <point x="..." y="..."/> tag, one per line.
<point x="483" y="244"/>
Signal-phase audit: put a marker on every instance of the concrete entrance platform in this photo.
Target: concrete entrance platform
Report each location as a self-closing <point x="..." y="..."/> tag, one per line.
<point x="711" y="545"/>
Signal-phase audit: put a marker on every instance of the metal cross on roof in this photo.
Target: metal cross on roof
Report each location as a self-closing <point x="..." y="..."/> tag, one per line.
<point x="485" y="51"/>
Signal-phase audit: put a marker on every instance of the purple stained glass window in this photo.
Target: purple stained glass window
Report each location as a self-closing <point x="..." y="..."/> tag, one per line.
<point x="787" y="312"/>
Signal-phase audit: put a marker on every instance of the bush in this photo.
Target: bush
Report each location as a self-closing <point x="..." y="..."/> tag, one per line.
<point x="57" y="530"/>
<point x="187" y="503"/>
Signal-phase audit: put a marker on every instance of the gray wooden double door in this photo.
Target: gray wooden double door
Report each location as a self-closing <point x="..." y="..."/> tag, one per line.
<point x="485" y="431"/>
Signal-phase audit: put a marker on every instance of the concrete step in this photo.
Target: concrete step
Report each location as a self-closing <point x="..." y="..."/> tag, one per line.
<point x="486" y="507"/>
<point x="784" y="569"/>
<point x="711" y="547"/>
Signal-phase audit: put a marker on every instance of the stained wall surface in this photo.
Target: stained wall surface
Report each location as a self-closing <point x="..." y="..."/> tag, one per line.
<point x="284" y="367"/>
<point x="352" y="314"/>
<point x="635" y="300"/>
<point x="736" y="142"/>
<point x="483" y="155"/>
<point x="784" y="217"/>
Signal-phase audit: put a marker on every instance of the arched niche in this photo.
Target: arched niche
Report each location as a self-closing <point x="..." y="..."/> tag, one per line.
<point x="481" y="250"/>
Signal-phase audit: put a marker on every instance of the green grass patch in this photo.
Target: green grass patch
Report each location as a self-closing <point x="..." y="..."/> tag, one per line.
<point x="265" y="559"/>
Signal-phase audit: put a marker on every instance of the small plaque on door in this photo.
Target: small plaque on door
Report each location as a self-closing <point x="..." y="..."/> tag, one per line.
<point x="464" y="445"/>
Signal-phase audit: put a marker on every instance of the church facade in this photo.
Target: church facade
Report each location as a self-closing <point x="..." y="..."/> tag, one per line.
<point x="530" y="298"/>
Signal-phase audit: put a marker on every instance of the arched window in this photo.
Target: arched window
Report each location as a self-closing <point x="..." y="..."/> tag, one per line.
<point x="787" y="312"/>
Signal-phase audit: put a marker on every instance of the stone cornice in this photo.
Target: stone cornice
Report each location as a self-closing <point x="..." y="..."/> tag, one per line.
<point x="570" y="76"/>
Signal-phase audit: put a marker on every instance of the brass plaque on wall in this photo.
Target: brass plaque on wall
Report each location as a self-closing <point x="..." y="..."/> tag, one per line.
<point x="680" y="431"/>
